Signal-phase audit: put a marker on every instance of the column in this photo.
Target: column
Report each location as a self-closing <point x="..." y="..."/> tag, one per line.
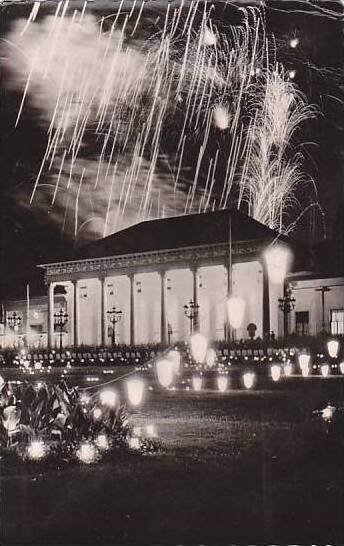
<point x="266" y="303"/>
<point x="51" y="287"/>
<point x="163" y="307"/>
<point x="132" y="310"/>
<point x="76" y="314"/>
<point x="195" y="296"/>
<point x="102" y="311"/>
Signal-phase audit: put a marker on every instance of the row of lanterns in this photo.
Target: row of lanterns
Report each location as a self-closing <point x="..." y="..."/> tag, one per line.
<point x="168" y="368"/>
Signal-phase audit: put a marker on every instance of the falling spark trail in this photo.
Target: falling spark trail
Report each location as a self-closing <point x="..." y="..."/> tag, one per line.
<point x="223" y="91"/>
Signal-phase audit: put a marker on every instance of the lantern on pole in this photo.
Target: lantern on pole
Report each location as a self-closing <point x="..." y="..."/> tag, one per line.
<point x="236" y="310"/>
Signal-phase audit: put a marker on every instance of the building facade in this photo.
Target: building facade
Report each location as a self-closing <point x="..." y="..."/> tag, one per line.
<point x="132" y="287"/>
<point x="319" y="304"/>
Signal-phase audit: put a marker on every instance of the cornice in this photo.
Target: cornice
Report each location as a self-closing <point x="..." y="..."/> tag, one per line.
<point x="198" y="255"/>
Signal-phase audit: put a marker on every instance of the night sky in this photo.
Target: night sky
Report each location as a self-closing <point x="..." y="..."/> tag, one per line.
<point x="30" y="235"/>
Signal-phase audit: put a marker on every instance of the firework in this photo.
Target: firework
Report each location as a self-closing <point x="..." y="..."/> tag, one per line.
<point x="122" y="114"/>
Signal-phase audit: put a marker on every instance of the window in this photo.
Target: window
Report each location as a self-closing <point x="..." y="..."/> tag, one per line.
<point x="302" y="323"/>
<point x="337" y="322"/>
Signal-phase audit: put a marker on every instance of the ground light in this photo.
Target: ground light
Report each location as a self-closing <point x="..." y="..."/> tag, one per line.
<point x="325" y="370"/>
<point x="87" y="453"/>
<point x="275" y="372"/>
<point x="102" y="442"/>
<point x="294" y="42"/>
<point x="108" y="397"/>
<point x="97" y="413"/>
<point x="174" y="355"/>
<point x="135" y="389"/>
<point x="341" y="367"/>
<point x="151" y="431"/>
<point x="236" y="310"/>
<point x="248" y="379"/>
<point x="165" y="372"/>
<point x="222" y="383"/>
<point x="198" y="345"/>
<point x="304" y="361"/>
<point x="134" y="443"/>
<point x="197" y="382"/>
<point x="85" y="398"/>
<point x="210" y="357"/>
<point x="288" y="369"/>
<point x="36" y="450"/>
<point x="333" y="347"/>
<point x="328" y="412"/>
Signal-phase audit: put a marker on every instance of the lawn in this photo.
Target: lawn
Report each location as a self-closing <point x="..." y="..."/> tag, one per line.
<point x="243" y="467"/>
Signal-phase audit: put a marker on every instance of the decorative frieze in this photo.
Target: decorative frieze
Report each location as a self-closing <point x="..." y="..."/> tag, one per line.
<point x="147" y="260"/>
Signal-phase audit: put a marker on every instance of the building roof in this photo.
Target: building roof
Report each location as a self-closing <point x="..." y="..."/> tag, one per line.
<point x="177" y="232"/>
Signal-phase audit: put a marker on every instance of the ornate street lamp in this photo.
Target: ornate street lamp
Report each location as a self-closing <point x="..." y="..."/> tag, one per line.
<point x="286" y="305"/>
<point x="13" y="321"/>
<point x="60" y="321"/>
<point x="114" y="316"/>
<point x="191" y="311"/>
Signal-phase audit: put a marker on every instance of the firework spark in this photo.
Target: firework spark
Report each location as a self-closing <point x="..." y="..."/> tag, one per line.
<point x="122" y="114"/>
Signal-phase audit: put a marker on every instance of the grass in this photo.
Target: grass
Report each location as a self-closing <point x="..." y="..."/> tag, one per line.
<point x="238" y="468"/>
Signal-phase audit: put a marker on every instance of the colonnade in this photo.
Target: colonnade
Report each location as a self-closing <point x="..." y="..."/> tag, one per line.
<point x="99" y="301"/>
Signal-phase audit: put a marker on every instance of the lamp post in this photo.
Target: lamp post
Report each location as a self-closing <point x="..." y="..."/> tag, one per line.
<point x="13" y="322"/>
<point x="286" y="305"/>
<point x="114" y="316"/>
<point x="60" y="321"/>
<point x="191" y="312"/>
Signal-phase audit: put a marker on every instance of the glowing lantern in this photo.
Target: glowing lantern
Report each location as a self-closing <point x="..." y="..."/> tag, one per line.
<point x="248" y="379"/>
<point x="102" y="442"/>
<point x="134" y="443"/>
<point x="333" y="347"/>
<point x="135" y="389"/>
<point x="97" y="413"/>
<point x="197" y="382"/>
<point x="175" y="357"/>
<point x="36" y="450"/>
<point x="150" y="429"/>
<point x="341" y="367"/>
<point x="222" y="383"/>
<point x="294" y="42"/>
<point x="108" y="397"/>
<point x="38" y="365"/>
<point x="199" y="346"/>
<point x="288" y="369"/>
<point x="236" y="309"/>
<point x="277" y="260"/>
<point x="210" y="357"/>
<point x="165" y="372"/>
<point x="87" y="453"/>
<point x="275" y="371"/>
<point x="85" y="398"/>
<point x="304" y="361"/>
<point x="325" y="370"/>
<point x="327" y="413"/>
